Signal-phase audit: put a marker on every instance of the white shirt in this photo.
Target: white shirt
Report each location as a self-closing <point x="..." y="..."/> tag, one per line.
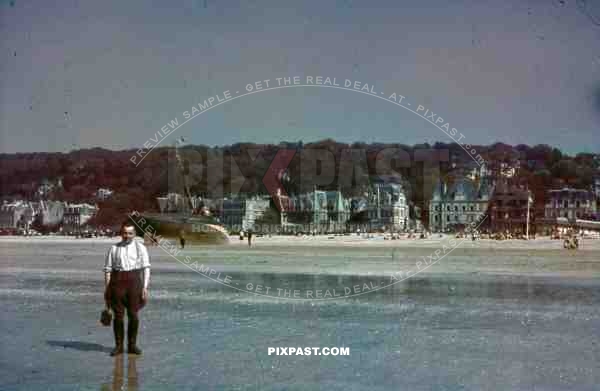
<point x="125" y="256"/>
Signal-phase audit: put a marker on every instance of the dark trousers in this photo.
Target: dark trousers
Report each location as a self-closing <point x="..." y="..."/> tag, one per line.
<point x="124" y="293"/>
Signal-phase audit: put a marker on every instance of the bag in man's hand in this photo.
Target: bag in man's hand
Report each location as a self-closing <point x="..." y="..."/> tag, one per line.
<point x="106" y="317"/>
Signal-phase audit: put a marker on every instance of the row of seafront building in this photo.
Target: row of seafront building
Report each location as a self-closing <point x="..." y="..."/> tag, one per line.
<point x="480" y="203"/>
<point x="571" y="207"/>
<point x="384" y="204"/>
<point x="70" y="218"/>
<point x="489" y="205"/>
<point x="501" y="207"/>
<point x="453" y="206"/>
<point x="21" y="215"/>
<point x="318" y="211"/>
<point x="497" y="203"/>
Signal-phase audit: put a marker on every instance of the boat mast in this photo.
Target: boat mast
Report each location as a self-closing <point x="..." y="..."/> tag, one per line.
<point x="187" y="194"/>
<point x="527" y="224"/>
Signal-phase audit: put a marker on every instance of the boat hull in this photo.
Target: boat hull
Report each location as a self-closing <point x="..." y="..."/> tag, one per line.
<point x="195" y="230"/>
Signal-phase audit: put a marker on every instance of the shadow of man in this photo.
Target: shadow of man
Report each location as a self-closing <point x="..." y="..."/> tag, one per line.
<point x="118" y="379"/>
<point x="79" y="345"/>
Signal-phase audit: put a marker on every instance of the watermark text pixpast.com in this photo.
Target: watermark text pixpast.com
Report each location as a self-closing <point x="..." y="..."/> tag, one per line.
<point x="308" y="351"/>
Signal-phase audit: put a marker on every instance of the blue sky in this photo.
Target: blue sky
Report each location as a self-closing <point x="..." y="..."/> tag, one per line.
<point x="515" y="71"/>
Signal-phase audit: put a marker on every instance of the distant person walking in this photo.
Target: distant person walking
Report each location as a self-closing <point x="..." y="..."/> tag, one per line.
<point x="182" y="239"/>
<point x="249" y="238"/>
<point x="126" y="277"/>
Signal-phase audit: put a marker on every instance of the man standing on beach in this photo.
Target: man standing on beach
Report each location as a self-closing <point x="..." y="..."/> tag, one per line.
<point x="126" y="277"/>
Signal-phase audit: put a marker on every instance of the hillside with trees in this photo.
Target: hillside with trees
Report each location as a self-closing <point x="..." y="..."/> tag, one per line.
<point x="238" y="169"/>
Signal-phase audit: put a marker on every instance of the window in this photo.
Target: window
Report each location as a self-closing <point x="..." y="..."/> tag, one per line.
<point x="447" y="218"/>
<point x="456" y="208"/>
<point x="464" y="208"/>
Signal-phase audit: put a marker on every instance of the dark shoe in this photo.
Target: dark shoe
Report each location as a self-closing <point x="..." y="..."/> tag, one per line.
<point x="119" y="331"/>
<point x="134" y="350"/>
<point x="117" y="350"/>
<point x="132" y="332"/>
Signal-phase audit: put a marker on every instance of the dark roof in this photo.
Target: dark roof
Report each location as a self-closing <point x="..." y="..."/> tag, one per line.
<point x="386" y="179"/>
<point x="465" y="187"/>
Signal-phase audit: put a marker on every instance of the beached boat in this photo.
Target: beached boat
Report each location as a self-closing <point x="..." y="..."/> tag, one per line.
<point x="195" y="229"/>
<point x="198" y="228"/>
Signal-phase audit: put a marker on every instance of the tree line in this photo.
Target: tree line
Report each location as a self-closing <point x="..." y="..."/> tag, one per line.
<point x="238" y="169"/>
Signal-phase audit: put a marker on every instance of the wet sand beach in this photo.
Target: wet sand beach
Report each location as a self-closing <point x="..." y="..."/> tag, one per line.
<point x="488" y="316"/>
